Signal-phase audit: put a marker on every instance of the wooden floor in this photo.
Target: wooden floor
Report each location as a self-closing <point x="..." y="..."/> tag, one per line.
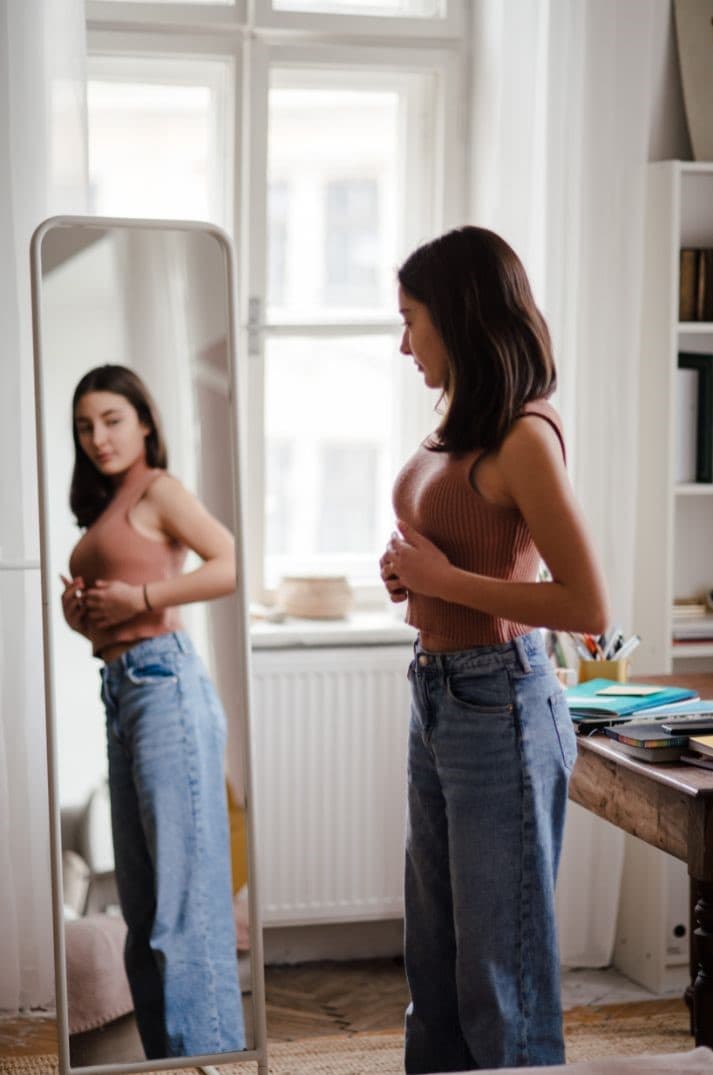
<point x="305" y="1001"/>
<point x="314" y="999"/>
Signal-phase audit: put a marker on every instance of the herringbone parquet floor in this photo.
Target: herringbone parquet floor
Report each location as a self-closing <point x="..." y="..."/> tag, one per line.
<point x="313" y="999"/>
<point x="305" y="1001"/>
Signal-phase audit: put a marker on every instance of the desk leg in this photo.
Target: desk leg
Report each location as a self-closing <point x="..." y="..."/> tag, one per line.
<point x="702" y="944"/>
<point x="692" y="950"/>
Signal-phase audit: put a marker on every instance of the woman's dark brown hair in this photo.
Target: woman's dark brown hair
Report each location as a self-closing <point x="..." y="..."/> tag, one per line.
<point x="91" y="491"/>
<point x="498" y="345"/>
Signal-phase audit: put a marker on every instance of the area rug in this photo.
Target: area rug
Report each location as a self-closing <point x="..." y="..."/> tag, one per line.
<point x="652" y="1027"/>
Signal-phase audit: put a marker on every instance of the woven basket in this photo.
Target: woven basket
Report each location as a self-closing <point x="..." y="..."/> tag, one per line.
<point x="323" y="597"/>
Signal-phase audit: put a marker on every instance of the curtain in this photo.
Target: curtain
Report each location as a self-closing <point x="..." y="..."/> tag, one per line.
<point x="43" y="171"/>
<point x="561" y="101"/>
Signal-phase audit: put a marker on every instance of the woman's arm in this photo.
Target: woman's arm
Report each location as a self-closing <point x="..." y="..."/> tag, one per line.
<point x="534" y="477"/>
<point x="181" y="517"/>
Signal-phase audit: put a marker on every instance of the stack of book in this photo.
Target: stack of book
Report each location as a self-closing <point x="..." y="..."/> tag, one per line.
<point x="648" y="741"/>
<point x="601" y="703"/>
<point x="692" y="620"/>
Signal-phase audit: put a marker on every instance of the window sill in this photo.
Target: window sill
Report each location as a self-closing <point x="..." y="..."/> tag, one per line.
<point x="358" y="629"/>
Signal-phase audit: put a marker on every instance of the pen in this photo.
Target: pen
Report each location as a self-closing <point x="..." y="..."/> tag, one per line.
<point x="616" y="640"/>
<point x="628" y="648"/>
<point x="580" y="646"/>
<point x="593" y="646"/>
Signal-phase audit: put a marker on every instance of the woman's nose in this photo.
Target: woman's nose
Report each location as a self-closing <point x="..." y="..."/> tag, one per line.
<point x="405" y="349"/>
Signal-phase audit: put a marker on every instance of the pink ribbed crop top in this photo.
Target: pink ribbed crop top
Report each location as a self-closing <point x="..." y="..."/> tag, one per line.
<point x="433" y="492"/>
<point x="111" y="548"/>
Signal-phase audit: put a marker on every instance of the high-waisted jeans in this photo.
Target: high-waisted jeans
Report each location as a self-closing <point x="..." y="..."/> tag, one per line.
<point x="491" y="747"/>
<point x="166" y="741"/>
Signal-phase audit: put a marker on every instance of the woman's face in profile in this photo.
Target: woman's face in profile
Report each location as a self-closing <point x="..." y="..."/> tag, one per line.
<point x="109" y="432"/>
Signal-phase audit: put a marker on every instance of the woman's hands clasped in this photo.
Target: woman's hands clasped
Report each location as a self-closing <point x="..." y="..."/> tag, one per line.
<point x="413" y="563"/>
<point x="103" y="605"/>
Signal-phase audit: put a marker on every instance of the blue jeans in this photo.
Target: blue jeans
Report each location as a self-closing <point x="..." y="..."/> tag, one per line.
<point x="491" y="747"/>
<point x="166" y="741"/>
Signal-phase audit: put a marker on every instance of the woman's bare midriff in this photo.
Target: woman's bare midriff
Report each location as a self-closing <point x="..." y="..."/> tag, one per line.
<point x="436" y="644"/>
<point x="110" y="653"/>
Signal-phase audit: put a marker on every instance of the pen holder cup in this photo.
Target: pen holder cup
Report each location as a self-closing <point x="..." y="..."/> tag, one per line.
<point x="618" y="671"/>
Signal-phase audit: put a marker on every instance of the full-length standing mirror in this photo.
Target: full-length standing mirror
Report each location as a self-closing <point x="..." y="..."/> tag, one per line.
<point x="157" y="934"/>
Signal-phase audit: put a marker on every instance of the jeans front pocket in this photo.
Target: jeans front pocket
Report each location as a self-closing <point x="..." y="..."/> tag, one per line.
<point x="154" y="672"/>
<point x="562" y="720"/>
<point x="486" y="694"/>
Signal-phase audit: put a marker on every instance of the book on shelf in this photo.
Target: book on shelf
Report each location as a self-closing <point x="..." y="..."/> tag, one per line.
<point x="686" y="425"/>
<point x="647" y="741"/>
<point x="688" y="285"/>
<point x="684" y="608"/>
<point x="694" y="628"/>
<point x="704" y="303"/>
<point x="695" y="279"/>
<point x="704" y="644"/>
<point x="693" y="360"/>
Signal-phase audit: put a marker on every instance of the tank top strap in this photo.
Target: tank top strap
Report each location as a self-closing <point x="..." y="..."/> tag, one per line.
<point x="138" y="487"/>
<point x="542" y="408"/>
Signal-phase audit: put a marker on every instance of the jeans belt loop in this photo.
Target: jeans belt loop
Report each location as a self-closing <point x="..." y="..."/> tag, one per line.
<point x="519" y="645"/>
<point x="180" y="642"/>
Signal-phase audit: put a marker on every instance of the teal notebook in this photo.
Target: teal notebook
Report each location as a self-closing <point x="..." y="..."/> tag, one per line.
<point x="601" y="701"/>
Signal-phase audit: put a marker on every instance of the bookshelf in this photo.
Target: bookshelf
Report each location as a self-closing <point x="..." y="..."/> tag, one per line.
<point x="674" y="519"/>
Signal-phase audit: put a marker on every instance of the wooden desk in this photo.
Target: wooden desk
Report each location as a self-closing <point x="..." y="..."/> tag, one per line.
<point x="670" y="806"/>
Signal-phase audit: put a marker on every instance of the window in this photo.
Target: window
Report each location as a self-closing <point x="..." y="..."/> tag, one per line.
<point x="157" y="137"/>
<point x="351" y="243"/>
<point x="348" y="158"/>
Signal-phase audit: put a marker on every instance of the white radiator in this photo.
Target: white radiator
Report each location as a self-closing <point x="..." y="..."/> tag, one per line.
<point x="329" y="729"/>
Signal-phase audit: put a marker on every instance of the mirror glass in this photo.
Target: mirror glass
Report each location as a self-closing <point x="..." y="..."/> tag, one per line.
<point x="160" y="944"/>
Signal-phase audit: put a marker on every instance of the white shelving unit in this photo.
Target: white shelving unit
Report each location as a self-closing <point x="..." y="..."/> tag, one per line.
<point x="675" y="522"/>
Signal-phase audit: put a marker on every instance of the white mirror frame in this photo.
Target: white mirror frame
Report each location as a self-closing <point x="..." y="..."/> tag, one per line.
<point x="242" y="648"/>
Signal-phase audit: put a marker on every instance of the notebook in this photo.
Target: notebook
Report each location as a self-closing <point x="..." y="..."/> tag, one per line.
<point x="648" y="741"/>
<point x="603" y="702"/>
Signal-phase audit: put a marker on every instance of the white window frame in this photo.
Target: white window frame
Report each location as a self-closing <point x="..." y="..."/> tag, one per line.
<point x="449" y="25"/>
<point x="254" y="40"/>
<point x="108" y="14"/>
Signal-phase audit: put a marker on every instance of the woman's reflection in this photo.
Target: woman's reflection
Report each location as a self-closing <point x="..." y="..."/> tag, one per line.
<point x="165" y="725"/>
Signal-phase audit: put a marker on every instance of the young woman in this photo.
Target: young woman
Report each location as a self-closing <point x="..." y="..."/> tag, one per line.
<point x="491" y="743"/>
<point x="165" y="725"/>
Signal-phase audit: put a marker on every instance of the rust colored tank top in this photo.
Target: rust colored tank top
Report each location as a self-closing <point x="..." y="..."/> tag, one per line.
<point x="111" y="548"/>
<point x="433" y="492"/>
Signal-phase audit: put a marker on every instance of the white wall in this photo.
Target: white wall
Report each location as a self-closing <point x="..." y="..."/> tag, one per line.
<point x="668" y="133"/>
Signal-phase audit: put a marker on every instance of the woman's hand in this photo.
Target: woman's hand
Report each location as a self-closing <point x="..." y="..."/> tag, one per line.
<point x="73" y="607"/>
<point x="396" y="590"/>
<point x="417" y="563"/>
<point x="109" y="603"/>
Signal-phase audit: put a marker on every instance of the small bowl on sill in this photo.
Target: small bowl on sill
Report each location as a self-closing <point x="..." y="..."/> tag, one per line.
<point x="315" y="597"/>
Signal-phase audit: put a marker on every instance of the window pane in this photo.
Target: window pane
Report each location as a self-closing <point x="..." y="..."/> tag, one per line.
<point x="405" y="8"/>
<point x="153" y="143"/>
<point x="334" y="212"/>
<point x="329" y="424"/>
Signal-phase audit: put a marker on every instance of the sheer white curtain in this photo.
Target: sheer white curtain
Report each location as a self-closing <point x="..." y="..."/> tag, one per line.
<point x="42" y="171"/>
<point x="561" y="93"/>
